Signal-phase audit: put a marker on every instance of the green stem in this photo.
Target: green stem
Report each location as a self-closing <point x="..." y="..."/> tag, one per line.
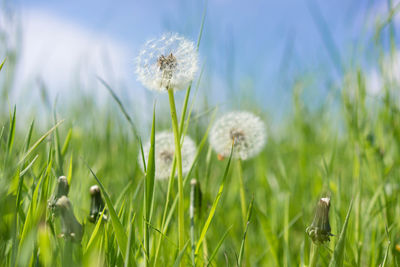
<point x="191" y="212"/>
<point x="242" y="192"/>
<point x="181" y="210"/>
<point x="170" y="185"/>
<point x="314" y="255"/>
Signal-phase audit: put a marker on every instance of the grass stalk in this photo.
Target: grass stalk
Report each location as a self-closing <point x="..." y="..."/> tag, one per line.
<point x="242" y="191"/>
<point x="314" y="253"/>
<point x="191" y="212"/>
<point x="181" y="202"/>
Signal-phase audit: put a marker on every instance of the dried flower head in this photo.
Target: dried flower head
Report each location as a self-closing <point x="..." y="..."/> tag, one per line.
<point x="164" y="154"/>
<point x="320" y="229"/>
<point x="70" y="227"/>
<point x="167" y="62"/>
<point x="97" y="204"/>
<point x="244" y="129"/>
<point x="60" y="190"/>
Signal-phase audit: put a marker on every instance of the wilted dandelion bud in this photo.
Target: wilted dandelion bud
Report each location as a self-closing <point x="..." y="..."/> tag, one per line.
<point x="61" y="189"/>
<point x="164" y="154"/>
<point x="97" y="204"/>
<point x="245" y="130"/>
<point x="167" y="62"/>
<point x="320" y="229"/>
<point x="70" y="227"/>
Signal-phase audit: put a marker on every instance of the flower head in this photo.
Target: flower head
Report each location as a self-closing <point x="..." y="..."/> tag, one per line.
<point x="164" y="154"/>
<point x="244" y="129"/>
<point x="320" y="229"/>
<point x="167" y="62"/>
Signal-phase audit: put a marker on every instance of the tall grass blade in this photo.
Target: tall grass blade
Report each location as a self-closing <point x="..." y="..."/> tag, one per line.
<point x="128" y="118"/>
<point x="241" y="252"/>
<point x="338" y="253"/>
<point x="11" y="134"/>
<point x="149" y="188"/>
<point x="116" y="223"/>
<point x="214" y="205"/>
<point x="215" y="251"/>
<point x="38" y="142"/>
<point x="180" y="255"/>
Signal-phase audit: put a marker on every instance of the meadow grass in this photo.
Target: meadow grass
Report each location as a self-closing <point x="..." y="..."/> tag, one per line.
<point x="251" y="213"/>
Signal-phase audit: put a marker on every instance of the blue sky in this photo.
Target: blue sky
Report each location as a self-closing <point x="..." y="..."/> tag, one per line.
<point x="248" y="46"/>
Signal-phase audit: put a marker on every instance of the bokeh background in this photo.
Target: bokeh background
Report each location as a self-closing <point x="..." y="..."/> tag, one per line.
<point x="250" y="50"/>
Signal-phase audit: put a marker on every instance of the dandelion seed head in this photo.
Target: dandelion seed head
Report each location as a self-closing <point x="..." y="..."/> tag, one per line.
<point x="170" y="61"/>
<point x="244" y="129"/>
<point x="164" y="154"/>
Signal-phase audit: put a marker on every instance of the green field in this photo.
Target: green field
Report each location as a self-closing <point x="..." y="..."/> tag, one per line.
<point x="253" y="212"/>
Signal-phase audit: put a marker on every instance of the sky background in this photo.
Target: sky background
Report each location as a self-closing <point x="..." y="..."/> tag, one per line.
<point x="257" y="48"/>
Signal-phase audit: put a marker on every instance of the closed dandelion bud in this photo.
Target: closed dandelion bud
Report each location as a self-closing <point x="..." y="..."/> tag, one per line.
<point x="244" y="130"/>
<point x="61" y="189"/>
<point x="320" y="229"/>
<point x="195" y="198"/>
<point x="97" y="204"/>
<point x="71" y="229"/>
<point x="167" y="62"/>
<point x="164" y="154"/>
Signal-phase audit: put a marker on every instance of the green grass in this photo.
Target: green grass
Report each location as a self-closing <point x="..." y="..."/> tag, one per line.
<point x="252" y="213"/>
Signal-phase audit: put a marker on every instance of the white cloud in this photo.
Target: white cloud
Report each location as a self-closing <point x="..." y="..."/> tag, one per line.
<point x="57" y="50"/>
<point x="65" y="56"/>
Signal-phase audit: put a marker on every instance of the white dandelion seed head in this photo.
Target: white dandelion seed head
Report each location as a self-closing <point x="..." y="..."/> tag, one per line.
<point x="164" y="154"/>
<point x="169" y="61"/>
<point x="246" y="130"/>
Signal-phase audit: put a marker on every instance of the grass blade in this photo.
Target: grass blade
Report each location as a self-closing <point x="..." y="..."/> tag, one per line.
<point x="2" y="64"/>
<point x="38" y="142"/>
<point x="241" y="252"/>
<point x="95" y="232"/>
<point x="338" y="253"/>
<point x="11" y="134"/>
<point x="218" y="245"/>
<point x="214" y="206"/>
<point x="180" y="255"/>
<point x="149" y="189"/>
<point x="66" y="143"/>
<point x="128" y="118"/>
<point x="116" y="223"/>
<point x="29" y="136"/>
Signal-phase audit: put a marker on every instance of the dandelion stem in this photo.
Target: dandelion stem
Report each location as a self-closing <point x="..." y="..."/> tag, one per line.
<point x="181" y="211"/>
<point x="242" y="192"/>
<point x="314" y="253"/>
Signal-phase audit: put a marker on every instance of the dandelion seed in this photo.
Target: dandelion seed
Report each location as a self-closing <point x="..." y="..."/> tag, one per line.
<point x="70" y="227"/>
<point x="164" y="154"/>
<point x="244" y="129"/>
<point x="167" y="62"/>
